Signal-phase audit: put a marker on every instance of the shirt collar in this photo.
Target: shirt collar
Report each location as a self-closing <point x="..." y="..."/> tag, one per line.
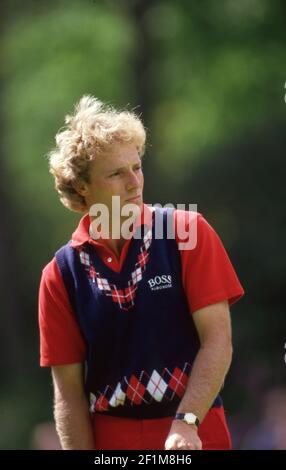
<point x="81" y="234"/>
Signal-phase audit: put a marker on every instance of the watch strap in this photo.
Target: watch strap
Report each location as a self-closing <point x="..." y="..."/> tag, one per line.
<point x="182" y="416"/>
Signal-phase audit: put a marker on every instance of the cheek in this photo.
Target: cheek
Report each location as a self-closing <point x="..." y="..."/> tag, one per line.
<point x="104" y="187"/>
<point x="111" y="188"/>
<point x="100" y="193"/>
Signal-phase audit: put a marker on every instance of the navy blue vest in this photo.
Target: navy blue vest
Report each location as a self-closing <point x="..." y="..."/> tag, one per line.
<point x="140" y="337"/>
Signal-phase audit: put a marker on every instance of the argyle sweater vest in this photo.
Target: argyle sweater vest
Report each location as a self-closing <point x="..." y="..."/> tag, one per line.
<point x="140" y="337"/>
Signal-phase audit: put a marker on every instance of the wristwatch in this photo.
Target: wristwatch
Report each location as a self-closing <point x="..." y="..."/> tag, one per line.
<point x="189" y="418"/>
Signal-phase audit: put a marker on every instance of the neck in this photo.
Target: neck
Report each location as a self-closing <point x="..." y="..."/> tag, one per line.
<point x="116" y="239"/>
<point x="116" y="245"/>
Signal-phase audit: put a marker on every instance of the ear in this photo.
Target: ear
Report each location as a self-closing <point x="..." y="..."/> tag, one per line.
<point x="81" y="188"/>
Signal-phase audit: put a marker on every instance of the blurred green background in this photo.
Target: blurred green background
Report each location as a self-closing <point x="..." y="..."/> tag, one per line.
<point x="208" y="79"/>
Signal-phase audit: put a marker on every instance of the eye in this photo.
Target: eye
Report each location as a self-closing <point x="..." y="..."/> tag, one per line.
<point x="116" y="173"/>
<point x="138" y="168"/>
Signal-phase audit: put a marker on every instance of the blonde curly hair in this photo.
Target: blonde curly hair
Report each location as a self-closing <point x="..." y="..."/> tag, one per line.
<point x="91" y="130"/>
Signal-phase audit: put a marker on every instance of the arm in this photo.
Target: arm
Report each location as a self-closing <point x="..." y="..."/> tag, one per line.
<point x="71" y="412"/>
<point x="208" y="373"/>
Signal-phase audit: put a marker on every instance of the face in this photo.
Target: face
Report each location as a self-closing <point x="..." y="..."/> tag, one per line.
<point x="116" y="173"/>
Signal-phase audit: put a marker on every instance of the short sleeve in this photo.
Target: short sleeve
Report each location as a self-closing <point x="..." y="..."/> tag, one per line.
<point x="207" y="273"/>
<point x="61" y="341"/>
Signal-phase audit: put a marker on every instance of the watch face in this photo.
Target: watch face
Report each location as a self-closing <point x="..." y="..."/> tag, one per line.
<point x="190" y="418"/>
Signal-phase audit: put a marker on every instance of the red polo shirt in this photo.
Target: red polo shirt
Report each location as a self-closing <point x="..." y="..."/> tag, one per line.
<point x="207" y="274"/>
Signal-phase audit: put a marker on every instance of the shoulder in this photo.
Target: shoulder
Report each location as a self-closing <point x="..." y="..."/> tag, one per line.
<point x="51" y="269"/>
<point x="51" y="274"/>
<point x="191" y="228"/>
<point x="188" y="218"/>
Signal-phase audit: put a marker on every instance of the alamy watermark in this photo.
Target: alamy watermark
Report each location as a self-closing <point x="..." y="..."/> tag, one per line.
<point x="120" y="222"/>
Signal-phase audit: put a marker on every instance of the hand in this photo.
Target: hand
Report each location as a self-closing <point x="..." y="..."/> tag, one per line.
<point x="183" y="436"/>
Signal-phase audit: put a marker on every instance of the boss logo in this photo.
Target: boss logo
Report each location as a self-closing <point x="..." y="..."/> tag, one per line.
<point x="160" y="282"/>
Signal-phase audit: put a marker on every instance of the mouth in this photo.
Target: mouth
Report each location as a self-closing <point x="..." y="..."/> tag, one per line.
<point x="134" y="199"/>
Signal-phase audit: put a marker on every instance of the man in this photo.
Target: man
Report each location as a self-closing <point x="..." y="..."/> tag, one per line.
<point x="137" y="331"/>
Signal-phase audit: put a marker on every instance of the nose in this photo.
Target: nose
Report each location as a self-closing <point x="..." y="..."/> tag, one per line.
<point x="132" y="181"/>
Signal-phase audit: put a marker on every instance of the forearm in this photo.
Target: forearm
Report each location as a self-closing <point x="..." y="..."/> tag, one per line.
<point x="209" y="369"/>
<point x="207" y="376"/>
<point x="73" y="423"/>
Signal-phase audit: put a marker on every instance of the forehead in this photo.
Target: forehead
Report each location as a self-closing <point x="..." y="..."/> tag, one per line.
<point x="118" y="156"/>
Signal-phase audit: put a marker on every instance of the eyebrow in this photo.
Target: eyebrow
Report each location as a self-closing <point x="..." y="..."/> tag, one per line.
<point x="123" y="167"/>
